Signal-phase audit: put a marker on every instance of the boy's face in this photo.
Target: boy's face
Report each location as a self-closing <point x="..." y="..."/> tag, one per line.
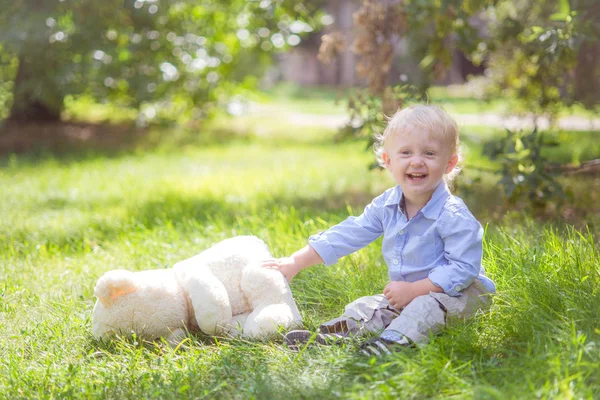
<point x="418" y="162"/>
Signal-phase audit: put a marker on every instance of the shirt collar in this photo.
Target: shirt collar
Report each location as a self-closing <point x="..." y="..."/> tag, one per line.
<point x="434" y="205"/>
<point x="395" y="197"/>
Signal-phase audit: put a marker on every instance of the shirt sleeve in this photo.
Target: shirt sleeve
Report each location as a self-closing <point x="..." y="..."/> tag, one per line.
<point x="350" y="235"/>
<point x="462" y="235"/>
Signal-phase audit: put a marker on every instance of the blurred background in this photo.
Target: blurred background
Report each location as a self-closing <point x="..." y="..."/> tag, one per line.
<point x="521" y="77"/>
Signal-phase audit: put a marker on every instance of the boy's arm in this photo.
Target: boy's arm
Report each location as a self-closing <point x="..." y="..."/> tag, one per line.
<point x="290" y="266"/>
<point x="463" y="249"/>
<point x="350" y="235"/>
<point x="327" y="247"/>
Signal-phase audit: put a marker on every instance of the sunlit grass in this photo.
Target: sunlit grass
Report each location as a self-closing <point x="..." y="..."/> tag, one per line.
<point x="66" y="220"/>
<point x="462" y="99"/>
<point x="289" y="97"/>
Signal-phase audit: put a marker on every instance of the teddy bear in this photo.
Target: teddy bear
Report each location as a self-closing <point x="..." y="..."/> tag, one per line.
<point x="221" y="291"/>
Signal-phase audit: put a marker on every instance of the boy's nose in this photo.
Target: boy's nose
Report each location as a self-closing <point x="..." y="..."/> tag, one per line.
<point x="416" y="160"/>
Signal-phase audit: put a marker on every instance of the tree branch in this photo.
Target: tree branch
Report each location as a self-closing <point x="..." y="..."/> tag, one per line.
<point x="586" y="167"/>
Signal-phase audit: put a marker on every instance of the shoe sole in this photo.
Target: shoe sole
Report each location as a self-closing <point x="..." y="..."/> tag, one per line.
<point x="295" y="339"/>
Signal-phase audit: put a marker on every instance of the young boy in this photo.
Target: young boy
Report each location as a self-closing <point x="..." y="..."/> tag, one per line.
<point x="432" y="244"/>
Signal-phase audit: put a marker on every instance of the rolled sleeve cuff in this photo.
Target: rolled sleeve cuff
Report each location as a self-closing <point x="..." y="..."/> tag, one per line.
<point x="451" y="288"/>
<point x="323" y="248"/>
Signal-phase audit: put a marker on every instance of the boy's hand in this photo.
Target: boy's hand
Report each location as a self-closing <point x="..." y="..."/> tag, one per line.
<point x="399" y="294"/>
<point x="286" y="265"/>
<point x="290" y="266"/>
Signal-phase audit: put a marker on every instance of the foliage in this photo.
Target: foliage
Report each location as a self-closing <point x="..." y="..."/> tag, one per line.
<point x="538" y="52"/>
<point x="524" y="173"/>
<point x="542" y="52"/>
<point x="161" y="56"/>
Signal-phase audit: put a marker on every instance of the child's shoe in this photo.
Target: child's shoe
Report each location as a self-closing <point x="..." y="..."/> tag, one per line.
<point x="380" y="346"/>
<point x="294" y="340"/>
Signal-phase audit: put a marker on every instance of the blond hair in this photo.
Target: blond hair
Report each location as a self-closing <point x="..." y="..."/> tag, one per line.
<point x="432" y="119"/>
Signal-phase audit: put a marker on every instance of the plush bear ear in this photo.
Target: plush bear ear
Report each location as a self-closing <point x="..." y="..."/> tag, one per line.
<point x="113" y="285"/>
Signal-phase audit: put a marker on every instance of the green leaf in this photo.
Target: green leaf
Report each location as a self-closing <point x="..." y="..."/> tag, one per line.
<point x="525" y="153"/>
<point x="526" y="169"/>
<point x="124" y="55"/>
<point x="537" y="29"/>
<point x="519" y="145"/>
<point x="427" y="61"/>
<point x="564" y="7"/>
<point x="559" y="17"/>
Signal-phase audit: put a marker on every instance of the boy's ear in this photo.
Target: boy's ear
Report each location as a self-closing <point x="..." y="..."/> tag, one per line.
<point x="452" y="163"/>
<point x="386" y="159"/>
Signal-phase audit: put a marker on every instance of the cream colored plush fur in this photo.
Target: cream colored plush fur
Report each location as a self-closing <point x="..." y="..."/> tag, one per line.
<point x="222" y="290"/>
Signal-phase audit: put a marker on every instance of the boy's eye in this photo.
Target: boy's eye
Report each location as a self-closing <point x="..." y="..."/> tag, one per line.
<point x="405" y="152"/>
<point x="429" y="153"/>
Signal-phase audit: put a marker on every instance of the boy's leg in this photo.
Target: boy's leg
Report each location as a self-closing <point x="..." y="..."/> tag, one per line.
<point x="430" y="313"/>
<point x="366" y="314"/>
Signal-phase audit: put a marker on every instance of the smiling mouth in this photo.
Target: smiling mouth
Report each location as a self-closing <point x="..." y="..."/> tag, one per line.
<point x="416" y="177"/>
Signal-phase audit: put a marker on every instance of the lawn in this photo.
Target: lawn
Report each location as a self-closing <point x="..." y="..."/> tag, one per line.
<point x="457" y="99"/>
<point x="66" y="220"/>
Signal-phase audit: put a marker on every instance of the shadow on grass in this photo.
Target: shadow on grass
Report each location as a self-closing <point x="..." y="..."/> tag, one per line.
<point x="145" y="216"/>
<point x="75" y="141"/>
<point x="168" y="209"/>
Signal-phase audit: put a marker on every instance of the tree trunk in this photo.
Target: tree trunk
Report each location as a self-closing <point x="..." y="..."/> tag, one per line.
<point x="35" y="97"/>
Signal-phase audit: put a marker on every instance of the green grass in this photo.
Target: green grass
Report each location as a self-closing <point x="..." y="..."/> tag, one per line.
<point x="66" y="220"/>
<point x="457" y="99"/>
<point x="460" y="99"/>
<point x="289" y="97"/>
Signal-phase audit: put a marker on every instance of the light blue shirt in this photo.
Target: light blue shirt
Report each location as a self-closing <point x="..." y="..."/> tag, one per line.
<point x="443" y="241"/>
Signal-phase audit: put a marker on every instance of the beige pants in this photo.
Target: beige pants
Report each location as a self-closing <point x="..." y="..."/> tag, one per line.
<point x="423" y="316"/>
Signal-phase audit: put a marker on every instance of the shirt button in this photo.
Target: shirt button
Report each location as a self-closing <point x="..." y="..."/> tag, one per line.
<point x="401" y="232"/>
<point x="395" y="262"/>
